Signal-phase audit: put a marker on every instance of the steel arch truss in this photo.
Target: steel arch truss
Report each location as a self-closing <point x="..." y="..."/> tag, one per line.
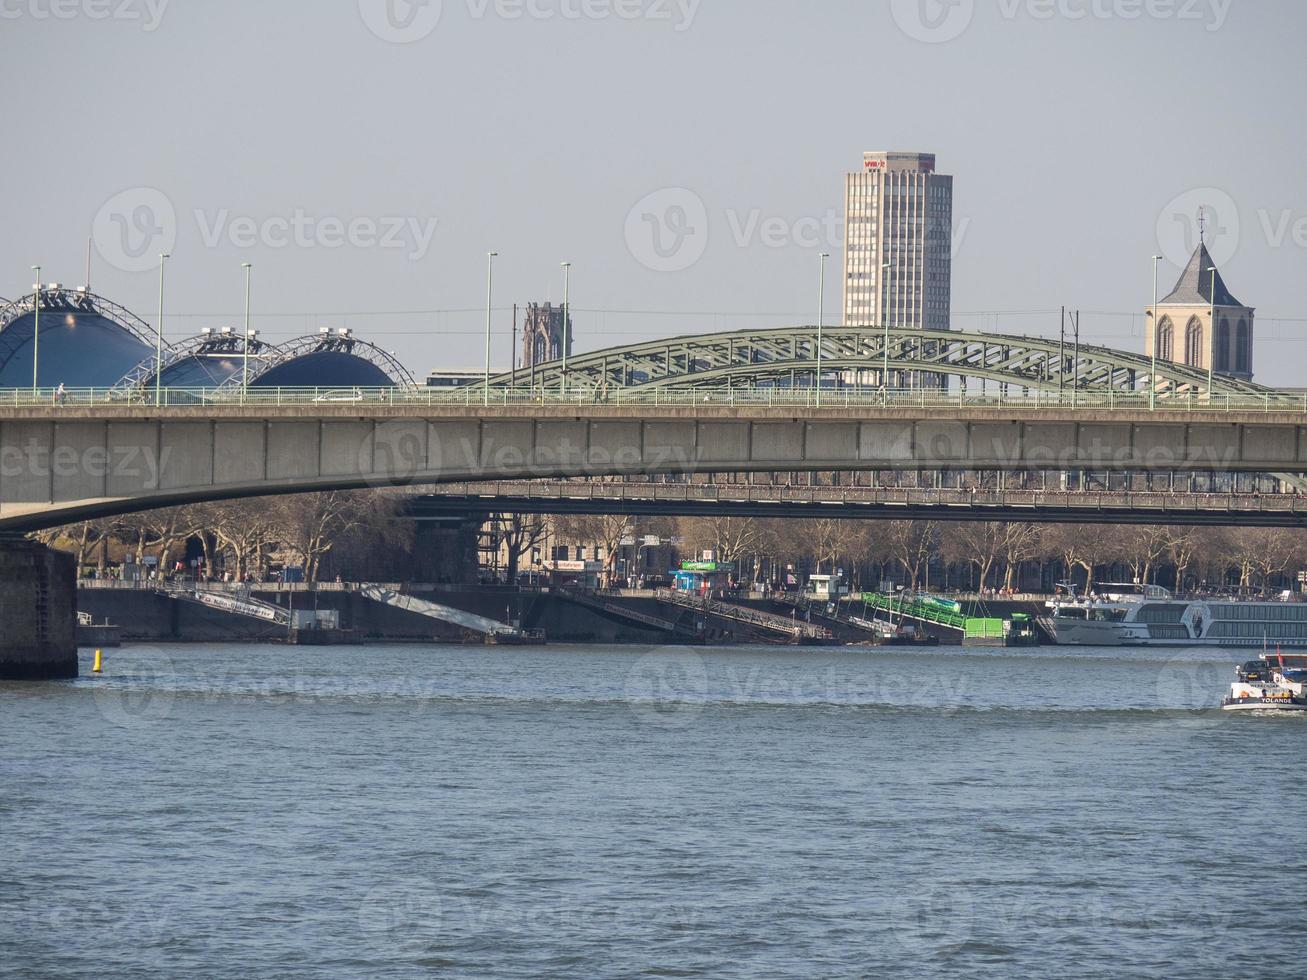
<point x="201" y="345"/>
<point x="337" y="342"/>
<point x="789" y="354"/>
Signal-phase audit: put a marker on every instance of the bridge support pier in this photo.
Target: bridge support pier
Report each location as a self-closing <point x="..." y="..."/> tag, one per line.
<point x="446" y="549"/>
<point x="38" y="611"/>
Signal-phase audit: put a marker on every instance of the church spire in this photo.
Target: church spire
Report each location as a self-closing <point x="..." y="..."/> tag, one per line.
<point x="1195" y="285"/>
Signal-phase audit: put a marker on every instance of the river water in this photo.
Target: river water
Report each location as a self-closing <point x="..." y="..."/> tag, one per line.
<point x="407" y="811"/>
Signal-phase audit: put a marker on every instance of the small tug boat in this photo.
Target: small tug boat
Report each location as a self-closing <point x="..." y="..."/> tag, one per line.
<point x="1264" y="686"/>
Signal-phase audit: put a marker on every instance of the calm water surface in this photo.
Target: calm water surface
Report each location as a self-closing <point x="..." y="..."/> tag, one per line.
<point x="409" y="811"/>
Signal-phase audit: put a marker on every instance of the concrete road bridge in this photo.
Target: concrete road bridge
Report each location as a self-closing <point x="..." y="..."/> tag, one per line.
<point x="75" y="462"/>
<point x="737" y="402"/>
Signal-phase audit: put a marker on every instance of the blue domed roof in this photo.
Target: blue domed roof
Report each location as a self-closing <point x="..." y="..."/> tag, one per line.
<point x="201" y="371"/>
<point x="330" y="359"/>
<point x="324" y="369"/>
<point x="78" y="346"/>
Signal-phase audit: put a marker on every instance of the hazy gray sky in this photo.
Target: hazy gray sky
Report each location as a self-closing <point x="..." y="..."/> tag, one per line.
<point x="366" y="154"/>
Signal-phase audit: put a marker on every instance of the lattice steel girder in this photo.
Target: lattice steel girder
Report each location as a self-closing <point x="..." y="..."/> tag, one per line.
<point x="144" y="373"/>
<point x="749" y="357"/>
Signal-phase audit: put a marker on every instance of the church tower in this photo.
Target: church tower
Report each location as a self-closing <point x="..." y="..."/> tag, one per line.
<point x="1201" y="324"/>
<point x="544" y="336"/>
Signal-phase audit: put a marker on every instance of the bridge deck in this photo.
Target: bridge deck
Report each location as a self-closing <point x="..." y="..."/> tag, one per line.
<point x="71" y="462"/>
<point x="880" y="503"/>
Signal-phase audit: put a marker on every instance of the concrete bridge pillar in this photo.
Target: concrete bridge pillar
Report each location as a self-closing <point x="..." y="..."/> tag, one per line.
<point x="446" y="549"/>
<point x="38" y="611"/>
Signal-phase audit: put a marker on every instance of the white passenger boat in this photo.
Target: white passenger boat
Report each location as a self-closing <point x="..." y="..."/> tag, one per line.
<point x="1266" y="685"/>
<point x="1115" y="615"/>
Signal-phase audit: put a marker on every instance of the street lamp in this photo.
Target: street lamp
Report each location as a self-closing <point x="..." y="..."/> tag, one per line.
<point x="880" y="302"/>
<point x="158" y="337"/>
<point x="36" y="322"/>
<point x="490" y="279"/>
<point x="821" y="315"/>
<point x="245" y="343"/>
<point x="1211" y="337"/>
<point x="567" y="316"/>
<point x="1157" y="336"/>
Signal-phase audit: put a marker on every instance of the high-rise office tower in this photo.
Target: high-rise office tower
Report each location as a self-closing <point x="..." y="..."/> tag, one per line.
<point x="898" y="242"/>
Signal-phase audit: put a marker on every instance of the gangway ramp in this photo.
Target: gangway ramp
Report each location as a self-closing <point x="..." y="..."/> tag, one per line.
<point x="491" y="628"/>
<point x="239" y="605"/>
<point x="926" y="610"/>
<point x="815" y="610"/>
<point x="596" y="601"/>
<point x="795" y="628"/>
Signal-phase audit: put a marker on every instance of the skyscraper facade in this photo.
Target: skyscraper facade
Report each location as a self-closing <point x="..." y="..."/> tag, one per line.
<point x="898" y="242"/>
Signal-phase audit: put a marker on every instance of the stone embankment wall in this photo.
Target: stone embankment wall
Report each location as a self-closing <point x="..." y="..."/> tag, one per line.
<point x="146" y="616"/>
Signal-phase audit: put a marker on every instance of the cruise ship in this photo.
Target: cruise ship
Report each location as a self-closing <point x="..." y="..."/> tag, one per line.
<point x="1148" y="615"/>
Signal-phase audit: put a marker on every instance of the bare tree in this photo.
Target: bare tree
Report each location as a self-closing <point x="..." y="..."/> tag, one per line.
<point x="1142" y="547"/>
<point x="80" y="538"/>
<point x="521" y="533"/>
<point x="1021" y="542"/>
<point x="603" y="531"/>
<point x="731" y="539"/>
<point x="979" y="545"/>
<point x="310" y="523"/>
<point x="133" y="531"/>
<point x="1078" y="546"/>
<point x="1182" y="546"/>
<point x="243" y="528"/>
<point x="1260" y="553"/>
<point x="831" y="538"/>
<point x="911" y="543"/>
<point x="168" y="528"/>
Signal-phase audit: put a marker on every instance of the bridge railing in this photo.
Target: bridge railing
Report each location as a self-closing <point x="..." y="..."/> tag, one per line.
<point x="779" y="396"/>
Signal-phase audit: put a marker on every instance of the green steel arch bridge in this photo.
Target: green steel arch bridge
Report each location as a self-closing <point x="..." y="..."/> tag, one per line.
<point x="846" y="355"/>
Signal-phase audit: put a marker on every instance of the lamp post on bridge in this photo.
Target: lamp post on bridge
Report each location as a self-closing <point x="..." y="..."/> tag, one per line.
<point x="249" y="334"/>
<point x="821" y="315"/>
<point x="36" y="324"/>
<point x="567" y="317"/>
<point x="1157" y="336"/>
<point x="158" y="337"/>
<point x="1075" y="378"/>
<point x="880" y="294"/>
<point x="1211" y="337"/>
<point x="490" y="282"/>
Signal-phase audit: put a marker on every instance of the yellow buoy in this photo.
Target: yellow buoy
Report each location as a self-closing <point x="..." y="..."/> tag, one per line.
<point x="95" y="669"/>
